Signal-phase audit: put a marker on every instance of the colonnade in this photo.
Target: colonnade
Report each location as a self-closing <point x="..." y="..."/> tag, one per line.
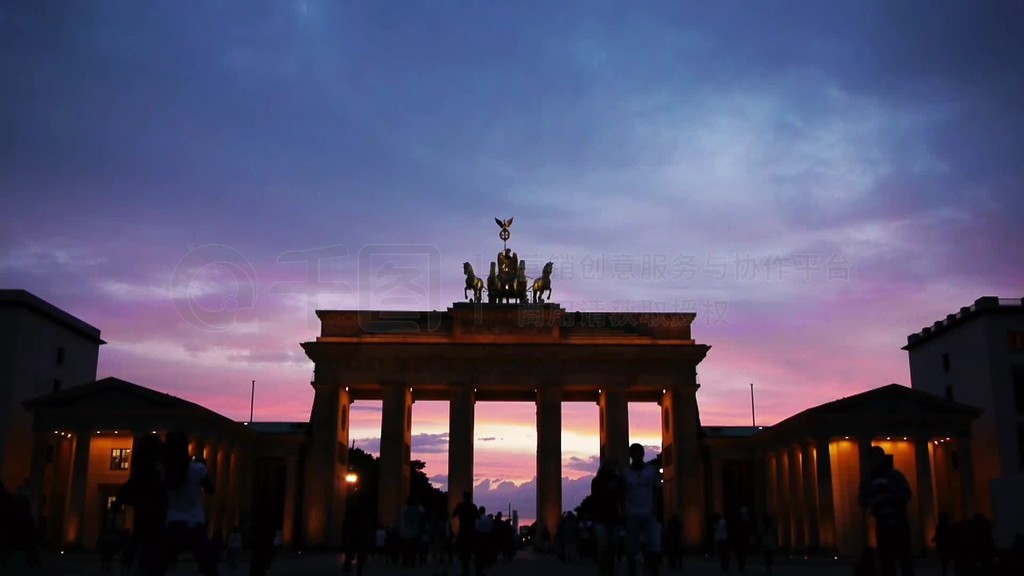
<point x="813" y="488"/>
<point x="70" y="496"/>
<point x="328" y="450"/>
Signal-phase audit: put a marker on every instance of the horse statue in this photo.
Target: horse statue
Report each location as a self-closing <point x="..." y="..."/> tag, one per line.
<point x="522" y="284"/>
<point x="472" y="283"/>
<point x="492" y="284"/>
<point x="542" y="284"/>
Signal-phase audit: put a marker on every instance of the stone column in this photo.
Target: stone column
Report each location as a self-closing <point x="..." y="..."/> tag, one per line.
<point x="613" y="409"/>
<point x="864" y="463"/>
<point x="323" y="456"/>
<point x="549" y="457"/>
<point x="812" y="534"/>
<point x="798" y="497"/>
<point x="924" y="492"/>
<point x="395" y="448"/>
<point x="240" y="493"/>
<point x="37" y="477"/>
<point x="223" y="479"/>
<point x="340" y="487"/>
<point x="460" y="446"/>
<point x="681" y="457"/>
<point x="200" y="447"/>
<point x="291" y="488"/>
<point x="826" y="502"/>
<point x="963" y="448"/>
<point x="75" y="517"/>
<point x="213" y="501"/>
<point x="782" y="491"/>
<point x="717" y="487"/>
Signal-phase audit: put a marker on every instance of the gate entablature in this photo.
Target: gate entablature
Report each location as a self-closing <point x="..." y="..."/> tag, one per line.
<point x="543" y="322"/>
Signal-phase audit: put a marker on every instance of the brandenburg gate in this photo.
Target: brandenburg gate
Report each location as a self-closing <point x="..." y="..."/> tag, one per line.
<point x="504" y="349"/>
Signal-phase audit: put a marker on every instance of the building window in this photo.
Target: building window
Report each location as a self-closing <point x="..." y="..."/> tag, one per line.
<point x="1016" y="340"/>
<point x="120" y="458"/>
<point x="60" y="356"/>
<point x="945" y="362"/>
<point x="1018" y="391"/>
<point x="56" y="384"/>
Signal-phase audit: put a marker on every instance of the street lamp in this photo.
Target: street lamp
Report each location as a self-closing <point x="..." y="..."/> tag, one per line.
<point x="351" y="478"/>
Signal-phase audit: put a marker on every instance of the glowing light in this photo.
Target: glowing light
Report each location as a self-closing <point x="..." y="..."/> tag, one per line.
<point x="351" y="478"/>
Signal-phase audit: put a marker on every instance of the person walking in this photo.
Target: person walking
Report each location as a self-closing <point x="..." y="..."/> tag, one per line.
<point x="466" y="514"/>
<point x="185" y="479"/>
<point x="607" y="490"/>
<point x="409" y="532"/>
<point x="146" y="494"/>
<point x="721" y="528"/>
<point x="768" y="541"/>
<point x="886" y="492"/>
<point x="642" y="529"/>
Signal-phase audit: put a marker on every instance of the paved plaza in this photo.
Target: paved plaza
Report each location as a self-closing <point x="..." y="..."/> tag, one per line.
<point x="526" y="563"/>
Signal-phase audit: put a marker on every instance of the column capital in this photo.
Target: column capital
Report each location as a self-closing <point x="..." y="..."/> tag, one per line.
<point x="822" y="439"/>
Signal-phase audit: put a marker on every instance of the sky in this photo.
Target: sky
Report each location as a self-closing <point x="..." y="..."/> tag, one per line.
<point x="815" y="180"/>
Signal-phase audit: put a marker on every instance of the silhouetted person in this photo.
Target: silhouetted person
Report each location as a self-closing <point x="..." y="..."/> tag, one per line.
<point x="262" y="532"/>
<point x="356" y="537"/>
<point x="608" y="492"/>
<point x="146" y="494"/>
<point x="466" y="513"/>
<point x="739" y="536"/>
<point x="17" y="533"/>
<point x="886" y="492"/>
<point x="409" y="531"/>
<point x="234" y="548"/>
<point x="484" y="541"/>
<point x="943" y="541"/>
<point x="570" y="534"/>
<point x="108" y="544"/>
<point x="867" y="565"/>
<point x="768" y="541"/>
<point x="641" y="523"/>
<point x="981" y="542"/>
<point x="673" y="542"/>
<point x="186" y="479"/>
<point x="721" y="528"/>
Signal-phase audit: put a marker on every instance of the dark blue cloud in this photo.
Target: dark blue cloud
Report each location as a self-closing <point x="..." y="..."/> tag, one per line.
<point x="885" y="132"/>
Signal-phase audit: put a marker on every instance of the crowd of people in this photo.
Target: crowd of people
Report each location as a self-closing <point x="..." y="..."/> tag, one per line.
<point x="165" y="490"/>
<point x="620" y="525"/>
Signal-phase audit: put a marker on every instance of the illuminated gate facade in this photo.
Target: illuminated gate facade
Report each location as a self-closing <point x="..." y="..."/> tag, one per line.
<point x="479" y="352"/>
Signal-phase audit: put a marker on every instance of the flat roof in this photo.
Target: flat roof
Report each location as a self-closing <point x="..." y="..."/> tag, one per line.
<point x="982" y="306"/>
<point x="25" y="299"/>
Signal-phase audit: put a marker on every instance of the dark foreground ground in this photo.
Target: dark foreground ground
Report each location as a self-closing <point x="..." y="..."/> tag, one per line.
<point x="526" y="563"/>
